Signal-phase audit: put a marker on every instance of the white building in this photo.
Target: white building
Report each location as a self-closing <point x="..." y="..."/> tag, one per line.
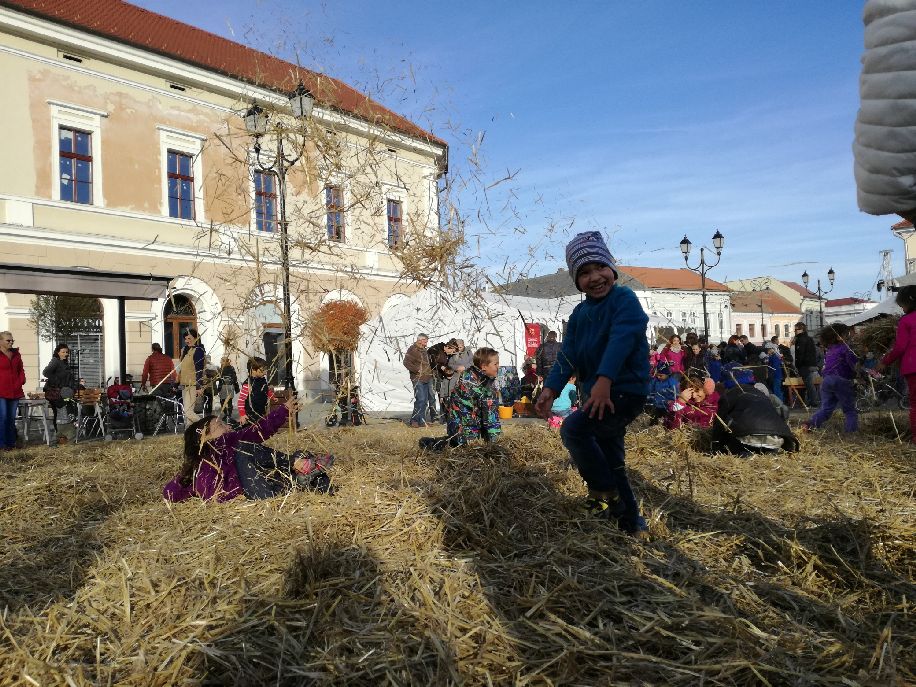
<point x="673" y="298"/>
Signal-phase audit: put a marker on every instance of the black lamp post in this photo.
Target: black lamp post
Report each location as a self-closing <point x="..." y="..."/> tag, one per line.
<point x="831" y="276"/>
<point x="718" y="241"/>
<point x="258" y="123"/>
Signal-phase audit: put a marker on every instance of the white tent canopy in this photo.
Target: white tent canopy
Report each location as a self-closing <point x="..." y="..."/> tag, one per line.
<point x="887" y="307"/>
<point x="495" y="321"/>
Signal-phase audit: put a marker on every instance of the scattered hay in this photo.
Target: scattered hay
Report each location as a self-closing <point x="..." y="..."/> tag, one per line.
<point x="472" y="567"/>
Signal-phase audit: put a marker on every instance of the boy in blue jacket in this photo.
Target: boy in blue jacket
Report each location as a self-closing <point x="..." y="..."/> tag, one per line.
<point x="606" y="344"/>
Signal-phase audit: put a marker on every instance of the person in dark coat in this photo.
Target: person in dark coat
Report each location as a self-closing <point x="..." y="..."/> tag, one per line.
<point x="58" y="376"/>
<point x="806" y="363"/>
<point x="546" y="354"/>
<point x="750" y="424"/>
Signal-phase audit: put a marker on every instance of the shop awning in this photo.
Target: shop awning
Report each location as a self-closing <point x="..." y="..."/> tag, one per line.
<point x="78" y="281"/>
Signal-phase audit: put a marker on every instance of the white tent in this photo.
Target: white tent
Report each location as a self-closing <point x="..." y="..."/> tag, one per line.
<point x="887" y="307"/>
<point x="495" y="321"/>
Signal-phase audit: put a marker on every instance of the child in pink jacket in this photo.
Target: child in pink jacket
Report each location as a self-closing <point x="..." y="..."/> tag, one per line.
<point x="904" y="348"/>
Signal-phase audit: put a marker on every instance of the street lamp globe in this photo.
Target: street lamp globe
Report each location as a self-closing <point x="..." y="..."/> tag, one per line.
<point x="301" y="101"/>
<point x="805" y="278"/>
<point x="256" y="120"/>
<point x="685" y="246"/>
<point x="831" y="275"/>
<point x="718" y="241"/>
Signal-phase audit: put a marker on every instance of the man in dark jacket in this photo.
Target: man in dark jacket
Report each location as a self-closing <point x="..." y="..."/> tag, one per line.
<point x="748" y="423"/>
<point x="546" y="354"/>
<point x="806" y="363"/>
<point x="416" y="360"/>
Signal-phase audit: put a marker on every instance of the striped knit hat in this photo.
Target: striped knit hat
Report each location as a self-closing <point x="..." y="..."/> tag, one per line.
<point x="585" y="248"/>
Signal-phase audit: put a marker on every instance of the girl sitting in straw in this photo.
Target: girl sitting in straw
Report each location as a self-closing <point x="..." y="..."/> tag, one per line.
<point x="695" y="405"/>
<point x="221" y="464"/>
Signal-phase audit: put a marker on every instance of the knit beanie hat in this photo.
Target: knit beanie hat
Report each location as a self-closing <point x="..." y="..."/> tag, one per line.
<point x="587" y="247"/>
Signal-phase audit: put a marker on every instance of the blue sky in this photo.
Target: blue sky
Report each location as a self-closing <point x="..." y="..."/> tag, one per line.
<point x="646" y="120"/>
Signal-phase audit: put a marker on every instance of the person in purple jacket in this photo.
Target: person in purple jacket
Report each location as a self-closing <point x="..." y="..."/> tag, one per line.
<point x="221" y="464"/>
<point x="839" y="372"/>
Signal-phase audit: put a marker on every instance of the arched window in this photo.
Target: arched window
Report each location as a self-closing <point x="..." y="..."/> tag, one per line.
<point x="179" y="315"/>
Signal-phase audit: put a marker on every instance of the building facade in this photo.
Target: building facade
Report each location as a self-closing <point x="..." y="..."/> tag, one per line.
<point x="761" y="315"/>
<point x="672" y="298"/>
<point x="129" y="153"/>
<point x="807" y="302"/>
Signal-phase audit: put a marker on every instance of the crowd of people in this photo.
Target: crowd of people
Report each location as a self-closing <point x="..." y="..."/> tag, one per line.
<point x="735" y="388"/>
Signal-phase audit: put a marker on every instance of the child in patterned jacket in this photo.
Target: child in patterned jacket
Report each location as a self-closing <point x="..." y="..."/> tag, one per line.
<point x="472" y="408"/>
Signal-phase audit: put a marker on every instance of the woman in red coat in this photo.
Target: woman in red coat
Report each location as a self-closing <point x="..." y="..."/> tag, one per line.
<point x="12" y="377"/>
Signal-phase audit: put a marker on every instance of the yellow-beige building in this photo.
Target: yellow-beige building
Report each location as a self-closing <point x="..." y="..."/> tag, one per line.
<point x="126" y="156"/>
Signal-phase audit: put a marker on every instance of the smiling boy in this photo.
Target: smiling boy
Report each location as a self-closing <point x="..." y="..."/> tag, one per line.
<point x="606" y="345"/>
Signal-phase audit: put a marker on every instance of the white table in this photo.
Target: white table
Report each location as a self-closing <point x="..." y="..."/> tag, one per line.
<point x="35" y="409"/>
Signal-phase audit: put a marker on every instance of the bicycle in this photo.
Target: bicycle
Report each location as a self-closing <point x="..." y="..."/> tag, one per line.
<point x="874" y="390"/>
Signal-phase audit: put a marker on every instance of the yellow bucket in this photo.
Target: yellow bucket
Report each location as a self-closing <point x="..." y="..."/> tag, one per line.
<point x="505" y="412"/>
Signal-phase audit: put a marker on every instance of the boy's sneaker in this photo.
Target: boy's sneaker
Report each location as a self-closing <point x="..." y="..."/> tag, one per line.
<point x="605" y="509"/>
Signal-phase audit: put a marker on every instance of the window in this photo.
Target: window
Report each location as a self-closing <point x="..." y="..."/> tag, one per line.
<point x="180" y="176"/>
<point x="75" y="165"/>
<point x="693" y="318"/>
<point x="751" y="328"/>
<point x="785" y="329"/>
<point x="265" y="201"/>
<point x="394" y="223"/>
<point x="763" y="330"/>
<point x="668" y="314"/>
<point x="333" y="203"/>
<point x="684" y="316"/>
<point x="738" y="330"/>
<point x="721" y="323"/>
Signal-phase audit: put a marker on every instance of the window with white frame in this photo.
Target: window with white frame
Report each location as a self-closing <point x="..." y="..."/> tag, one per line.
<point x="76" y="154"/>
<point x="265" y="201"/>
<point x="763" y="330"/>
<point x="75" y="150"/>
<point x="739" y="329"/>
<point x="721" y="322"/>
<point x="182" y="174"/>
<point x="180" y="179"/>
<point x="334" y="207"/>
<point x="751" y="329"/>
<point x="395" y="222"/>
<point x="785" y="330"/>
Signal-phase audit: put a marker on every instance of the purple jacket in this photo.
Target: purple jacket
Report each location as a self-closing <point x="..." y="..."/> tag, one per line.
<point x="839" y="360"/>
<point x="904" y="348"/>
<point x="217" y="475"/>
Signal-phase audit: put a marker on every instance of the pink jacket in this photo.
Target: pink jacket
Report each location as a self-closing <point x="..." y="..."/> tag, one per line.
<point x="904" y="348"/>
<point x="700" y="414"/>
<point x="676" y="358"/>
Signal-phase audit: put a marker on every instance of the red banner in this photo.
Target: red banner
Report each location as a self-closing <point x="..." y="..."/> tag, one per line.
<point x="532" y="338"/>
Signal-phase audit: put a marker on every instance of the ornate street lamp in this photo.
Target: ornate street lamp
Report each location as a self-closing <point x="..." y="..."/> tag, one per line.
<point x="718" y="242"/>
<point x="258" y="123"/>
<point x="831" y="277"/>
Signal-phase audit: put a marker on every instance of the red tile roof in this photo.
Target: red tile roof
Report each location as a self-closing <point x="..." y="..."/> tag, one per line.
<point x="903" y="224"/>
<point x="801" y="289"/>
<point x="836" y="302"/>
<point x="664" y="278"/>
<point x="138" y="27"/>
<point x="749" y="301"/>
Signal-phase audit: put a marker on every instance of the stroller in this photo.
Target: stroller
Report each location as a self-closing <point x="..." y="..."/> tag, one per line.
<point x="874" y="390"/>
<point x="120" y="416"/>
<point x="351" y="411"/>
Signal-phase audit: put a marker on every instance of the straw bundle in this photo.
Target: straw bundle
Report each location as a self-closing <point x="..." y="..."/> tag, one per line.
<point x="470" y="567"/>
<point x="877" y="334"/>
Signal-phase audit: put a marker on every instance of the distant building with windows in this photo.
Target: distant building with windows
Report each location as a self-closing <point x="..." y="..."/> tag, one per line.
<point x="761" y="315"/>
<point x="671" y="297"/>
<point x="126" y="153"/>
<point x="807" y="302"/>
